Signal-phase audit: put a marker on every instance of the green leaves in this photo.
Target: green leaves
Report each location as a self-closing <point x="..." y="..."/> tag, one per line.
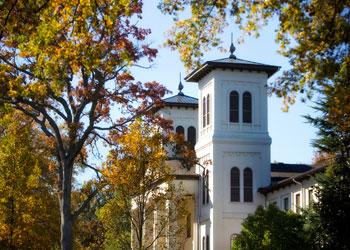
<point x="313" y="35"/>
<point x="271" y="228"/>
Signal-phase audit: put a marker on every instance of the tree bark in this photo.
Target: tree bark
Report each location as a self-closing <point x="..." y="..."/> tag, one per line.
<point x="65" y="209"/>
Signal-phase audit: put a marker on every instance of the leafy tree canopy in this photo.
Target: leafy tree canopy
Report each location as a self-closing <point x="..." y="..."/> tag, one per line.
<point x="271" y="228"/>
<point x="314" y="35"/>
<point x="29" y="217"/>
<point x="141" y="179"/>
<point x="65" y="64"/>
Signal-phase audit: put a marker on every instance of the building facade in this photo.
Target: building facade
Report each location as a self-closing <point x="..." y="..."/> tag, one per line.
<point x="228" y="125"/>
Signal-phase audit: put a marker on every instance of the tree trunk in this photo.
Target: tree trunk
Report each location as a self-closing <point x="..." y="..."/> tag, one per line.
<point x="65" y="209"/>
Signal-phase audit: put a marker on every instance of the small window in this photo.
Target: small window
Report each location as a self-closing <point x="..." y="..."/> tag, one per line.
<point x="180" y="130"/>
<point x="248" y="185"/>
<point x="188" y="226"/>
<point x="208" y="109"/>
<point x="247" y="107"/>
<point x="191" y="136"/>
<point x="204" y="112"/>
<point x="208" y="243"/>
<point x="235" y="196"/>
<point x="234" y="106"/>
<point x="297" y="203"/>
<point x="286" y="204"/>
<point x="311" y="196"/>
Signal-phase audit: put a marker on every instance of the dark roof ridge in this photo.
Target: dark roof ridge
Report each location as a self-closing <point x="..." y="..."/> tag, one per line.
<point x="290" y="180"/>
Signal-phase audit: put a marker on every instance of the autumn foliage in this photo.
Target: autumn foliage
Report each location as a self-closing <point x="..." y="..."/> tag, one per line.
<point x="29" y="215"/>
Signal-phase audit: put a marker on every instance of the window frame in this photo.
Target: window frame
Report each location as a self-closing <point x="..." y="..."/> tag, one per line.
<point x="297" y="207"/>
<point x="247" y="112"/>
<point x="232" y="109"/>
<point x="191" y="130"/>
<point x="208" y="110"/>
<point x="235" y="190"/>
<point x="248" y="189"/>
<point x="204" y="112"/>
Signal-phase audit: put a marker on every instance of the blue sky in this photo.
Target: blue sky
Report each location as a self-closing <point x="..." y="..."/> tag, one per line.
<point x="291" y="136"/>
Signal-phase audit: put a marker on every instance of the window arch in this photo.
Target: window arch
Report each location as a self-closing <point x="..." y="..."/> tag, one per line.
<point x="191" y="135"/>
<point x="248" y="185"/>
<point x="247" y="107"/>
<point x="208" y="109"/>
<point x="180" y="130"/>
<point x="235" y="192"/>
<point x="234" y="106"/>
<point x="204" y="111"/>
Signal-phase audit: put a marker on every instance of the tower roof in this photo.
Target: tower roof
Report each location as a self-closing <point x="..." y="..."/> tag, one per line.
<point x="181" y="100"/>
<point x="229" y="63"/>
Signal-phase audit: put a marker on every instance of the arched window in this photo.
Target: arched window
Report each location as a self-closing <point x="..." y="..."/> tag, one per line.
<point x="180" y="130"/>
<point x="247" y="107"/>
<point x="248" y="185"/>
<point x="205" y="187"/>
<point x="204" y="112"/>
<point x="235" y="184"/>
<point x="234" y="106"/>
<point x="208" y="109"/>
<point x="208" y="243"/>
<point x="191" y="135"/>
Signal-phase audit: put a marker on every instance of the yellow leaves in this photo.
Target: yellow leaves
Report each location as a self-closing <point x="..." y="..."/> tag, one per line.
<point x="28" y="210"/>
<point x="139" y="160"/>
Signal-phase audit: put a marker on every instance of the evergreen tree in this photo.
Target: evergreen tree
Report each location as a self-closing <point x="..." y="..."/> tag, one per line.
<point x="333" y="187"/>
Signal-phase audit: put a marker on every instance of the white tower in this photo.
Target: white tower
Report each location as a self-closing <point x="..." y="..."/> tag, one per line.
<point x="233" y="145"/>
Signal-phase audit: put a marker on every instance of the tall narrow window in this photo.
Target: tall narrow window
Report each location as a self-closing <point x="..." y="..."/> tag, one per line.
<point x="235" y="184"/>
<point x="208" y="109"/>
<point x="311" y="196"/>
<point x="188" y="226"/>
<point x="247" y="107"/>
<point x="286" y="204"/>
<point x="208" y="243"/>
<point x="204" y="111"/>
<point x="191" y="136"/>
<point x="207" y="185"/>
<point x="248" y="185"/>
<point x="203" y="188"/>
<point x="297" y="203"/>
<point x="234" y="105"/>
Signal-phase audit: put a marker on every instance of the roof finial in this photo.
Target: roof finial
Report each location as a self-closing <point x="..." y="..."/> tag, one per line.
<point x="180" y="88"/>
<point x="232" y="48"/>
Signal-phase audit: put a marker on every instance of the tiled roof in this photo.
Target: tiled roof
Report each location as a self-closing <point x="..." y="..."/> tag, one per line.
<point x="285" y="167"/>
<point x="229" y="63"/>
<point x="181" y="100"/>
